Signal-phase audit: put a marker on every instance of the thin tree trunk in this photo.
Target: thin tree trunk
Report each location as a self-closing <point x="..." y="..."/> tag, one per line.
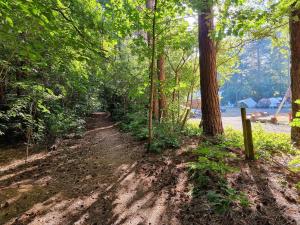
<point x="152" y="74"/>
<point x="150" y="5"/>
<point x="211" y="115"/>
<point x="295" y="70"/>
<point x="161" y="77"/>
<point x="156" y="101"/>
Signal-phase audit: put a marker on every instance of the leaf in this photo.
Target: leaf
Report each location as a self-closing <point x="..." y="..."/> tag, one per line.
<point x="9" y="21"/>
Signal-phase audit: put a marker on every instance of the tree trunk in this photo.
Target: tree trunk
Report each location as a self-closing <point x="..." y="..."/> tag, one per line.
<point x="156" y="101"/>
<point x="210" y="105"/>
<point x="295" y="70"/>
<point x="162" y="100"/>
<point x="150" y="5"/>
<point x="152" y="74"/>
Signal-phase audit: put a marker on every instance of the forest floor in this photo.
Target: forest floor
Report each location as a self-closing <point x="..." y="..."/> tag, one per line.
<point x="106" y="177"/>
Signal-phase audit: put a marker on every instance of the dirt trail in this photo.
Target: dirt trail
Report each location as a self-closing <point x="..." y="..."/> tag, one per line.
<point x="106" y="178"/>
<point x="99" y="179"/>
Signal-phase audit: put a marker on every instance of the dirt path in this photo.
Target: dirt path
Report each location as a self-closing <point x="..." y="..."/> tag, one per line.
<point x="106" y="178"/>
<point x="99" y="179"/>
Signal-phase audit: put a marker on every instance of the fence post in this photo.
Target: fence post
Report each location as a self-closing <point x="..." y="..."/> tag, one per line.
<point x="250" y="147"/>
<point x="244" y="117"/>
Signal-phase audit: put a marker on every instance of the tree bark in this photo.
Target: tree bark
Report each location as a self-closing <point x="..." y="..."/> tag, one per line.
<point x="150" y="5"/>
<point x="295" y="70"/>
<point x="156" y="101"/>
<point x="152" y="75"/>
<point x="162" y="100"/>
<point x="210" y="103"/>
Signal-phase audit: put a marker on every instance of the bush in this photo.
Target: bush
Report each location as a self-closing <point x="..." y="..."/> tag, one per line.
<point x="165" y="135"/>
<point x="64" y="122"/>
<point x="136" y="124"/>
<point x="192" y="129"/>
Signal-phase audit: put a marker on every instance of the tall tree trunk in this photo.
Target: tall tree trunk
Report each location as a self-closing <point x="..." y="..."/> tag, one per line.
<point x="161" y="77"/>
<point x="295" y="70"/>
<point x="152" y="75"/>
<point x="150" y="5"/>
<point x="156" y="100"/>
<point x="210" y="105"/>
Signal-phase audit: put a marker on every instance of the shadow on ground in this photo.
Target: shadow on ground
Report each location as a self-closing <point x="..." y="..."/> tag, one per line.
<point x="107" y="178"/>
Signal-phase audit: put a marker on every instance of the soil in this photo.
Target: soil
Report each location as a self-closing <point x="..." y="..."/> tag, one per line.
<point x="107" y="178"/>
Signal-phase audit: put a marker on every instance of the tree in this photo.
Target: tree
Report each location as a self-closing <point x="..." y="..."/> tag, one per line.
<point x="152" y="74"/>
<point x="295" y="69"/>
<point x="210" y="105"/>
<point x="162" y="99"/>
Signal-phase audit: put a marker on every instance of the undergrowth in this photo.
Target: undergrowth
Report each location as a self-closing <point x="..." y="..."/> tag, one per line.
<point x="265" y="143"/>
<point x="165" y="135"/>
<point x="209" y="173"/>
<point x="294" y="165"/>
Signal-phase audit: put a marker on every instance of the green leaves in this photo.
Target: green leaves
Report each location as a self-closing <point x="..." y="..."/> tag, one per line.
<point x="9" y="21"/>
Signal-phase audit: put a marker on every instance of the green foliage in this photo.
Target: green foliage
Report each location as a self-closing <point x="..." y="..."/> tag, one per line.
<point x="50" y="65"/>
<point x="232" y="138"/>
<point x="265" y="143"/>
<point x="296" y="121"/>
<point x="211" y="159"/>
<point x="165" y="137"/>
<point x="294" y="164"/>
<point x="64" y="122"/>
<point x="192" y="129"/>
<point x="164" y="134"/>
<point x="224" y="199"/>
<point x="209" y="171"/>
<point x="136" y="123"/>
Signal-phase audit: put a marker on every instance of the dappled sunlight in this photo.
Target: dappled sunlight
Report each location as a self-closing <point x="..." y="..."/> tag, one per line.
<point x="62" y="212"/>
<point x="18" y="173"/>
<point x="20" y="162"/>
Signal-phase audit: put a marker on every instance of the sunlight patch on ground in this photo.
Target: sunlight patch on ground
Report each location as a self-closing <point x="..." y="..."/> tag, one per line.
<point x="20" y="162"/>
<point x="11" y="175"/>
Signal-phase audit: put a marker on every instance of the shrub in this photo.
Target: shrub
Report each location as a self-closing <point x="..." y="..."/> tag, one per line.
<point x="165" y="135"/>
<point x="64" y="122"/>
<point x="192" y="129"/>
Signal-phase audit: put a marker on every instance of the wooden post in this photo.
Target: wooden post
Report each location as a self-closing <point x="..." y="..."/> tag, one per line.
<point x="250" y="147"/>
<point x="243" y="115"/>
